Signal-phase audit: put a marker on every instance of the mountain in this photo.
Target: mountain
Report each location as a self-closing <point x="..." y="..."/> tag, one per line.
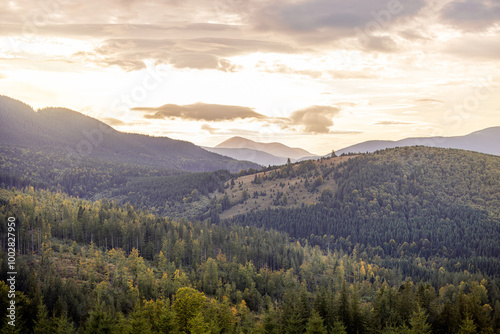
<point x="483" y="141"/>
<point x="368" y="244"/>
<point x="248" y="154"/>
<point x="440" y="202"/>
<point x="275" y="149"/>
<point x="78" y="137"/>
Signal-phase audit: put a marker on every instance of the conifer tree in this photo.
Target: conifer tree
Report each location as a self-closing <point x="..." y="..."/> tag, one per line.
<point x="315" y="324"/>
<point x="467" y="326"/>
<point x="418" y="322"/>
<point x="43" y="324"/>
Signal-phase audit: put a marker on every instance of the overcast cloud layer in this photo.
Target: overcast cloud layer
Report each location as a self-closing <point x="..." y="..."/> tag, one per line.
<point x="310" y="73"/>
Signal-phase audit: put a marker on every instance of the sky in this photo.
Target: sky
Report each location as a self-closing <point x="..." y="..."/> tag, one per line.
<point x="315" y="74"/>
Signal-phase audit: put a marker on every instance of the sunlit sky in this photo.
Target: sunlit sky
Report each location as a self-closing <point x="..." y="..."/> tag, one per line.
<point x="316" y="74"/>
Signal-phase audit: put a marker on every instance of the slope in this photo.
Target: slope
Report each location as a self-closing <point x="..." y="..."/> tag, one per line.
<point x="77" y="137"/>
<point x="402" y="203"/>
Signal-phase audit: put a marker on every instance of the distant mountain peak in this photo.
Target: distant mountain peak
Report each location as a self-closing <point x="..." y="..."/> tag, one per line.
<point x="276" y="149"/>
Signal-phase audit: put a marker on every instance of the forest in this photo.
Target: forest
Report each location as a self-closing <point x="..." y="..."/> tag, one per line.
<point x="97" y="267"/>
<point x="400" y="241"/>
<point x="399" y="205"/>
<point x="154" y="188"/>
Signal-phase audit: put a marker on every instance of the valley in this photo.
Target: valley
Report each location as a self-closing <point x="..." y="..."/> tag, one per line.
<point x="378" y="242"/>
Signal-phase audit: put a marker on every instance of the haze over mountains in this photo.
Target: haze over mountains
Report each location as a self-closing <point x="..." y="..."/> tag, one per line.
<point x="483" y="141"/>
<point x="262" y="153"/>
<point x="276" y="149"/>
<point x="79" y="137"/>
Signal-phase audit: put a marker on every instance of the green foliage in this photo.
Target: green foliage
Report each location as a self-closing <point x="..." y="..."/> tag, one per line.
<point x="338" y="328"/>
<point x="188" y="303"/>
<point x="407" y="206"/>
<point x="101" y="267"/>
<point x="467" y="327"/>
<point x="315" y="325"/>
<point x="99" y="321"/>
<point x="418" y="323"/>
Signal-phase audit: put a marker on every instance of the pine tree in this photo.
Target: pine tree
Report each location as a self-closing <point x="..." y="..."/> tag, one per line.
<point x="467" y="326"/>
<point x="315" y="324"/>
<point x="324" y="305"/>
<point x="269" y="324"/>
<point x="338" y="328"/>
<point x="418" y="322"/>
<point x="62" y="325"/>
<point x="358" y="320"/>
<point x="198" y="325"/>
<point x="99" y="321"/>
<point x="43" y="325"/>
<point x="137" y="322"/>
<point x="344" y="311"/>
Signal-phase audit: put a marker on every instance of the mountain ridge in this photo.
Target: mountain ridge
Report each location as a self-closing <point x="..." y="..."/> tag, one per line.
<point x="274" y="148"/>
<point x="248" y="154"/>
<point x="482" y="141"/>
<point x="80" y="137"/>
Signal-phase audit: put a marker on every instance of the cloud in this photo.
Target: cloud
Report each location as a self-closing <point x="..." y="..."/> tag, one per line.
<point x="211" y="27"/>
<point x="393" y="123"/>
<point x="194" y="60"/>
<point x="202" y="61"/>
<point x="343" y="105"/>
<point x="365" y="74"/>
<point x="346" y="132"/>
<point x="476" y="47"/>
<point x="378" y="43"/>
<point x="209" y="129"/>
<point x="2" y="76"/>
<point x="333" y="19"/>
<point x="472" y="14"/>
<point x="177" y="33"/>
<point x="284" y="69"/>
<point x="414" y="35"/>
<point x="112" y="121"/>
<point x="195" y="53"/>
<point x="314" y="119"/>
<point x="315" y="74"/>
<point x="428" y="101"/>
<point x="201" y="112"/>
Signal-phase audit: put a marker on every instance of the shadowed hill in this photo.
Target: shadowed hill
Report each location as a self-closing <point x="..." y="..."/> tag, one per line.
<point x="80" y="137"/>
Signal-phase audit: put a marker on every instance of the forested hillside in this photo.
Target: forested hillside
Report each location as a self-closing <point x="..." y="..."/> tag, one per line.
<point x="404" y="205"/>
<point x="75" y="139"/>
<point x="95" y="267"/>
<point x="164" y="191"/>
